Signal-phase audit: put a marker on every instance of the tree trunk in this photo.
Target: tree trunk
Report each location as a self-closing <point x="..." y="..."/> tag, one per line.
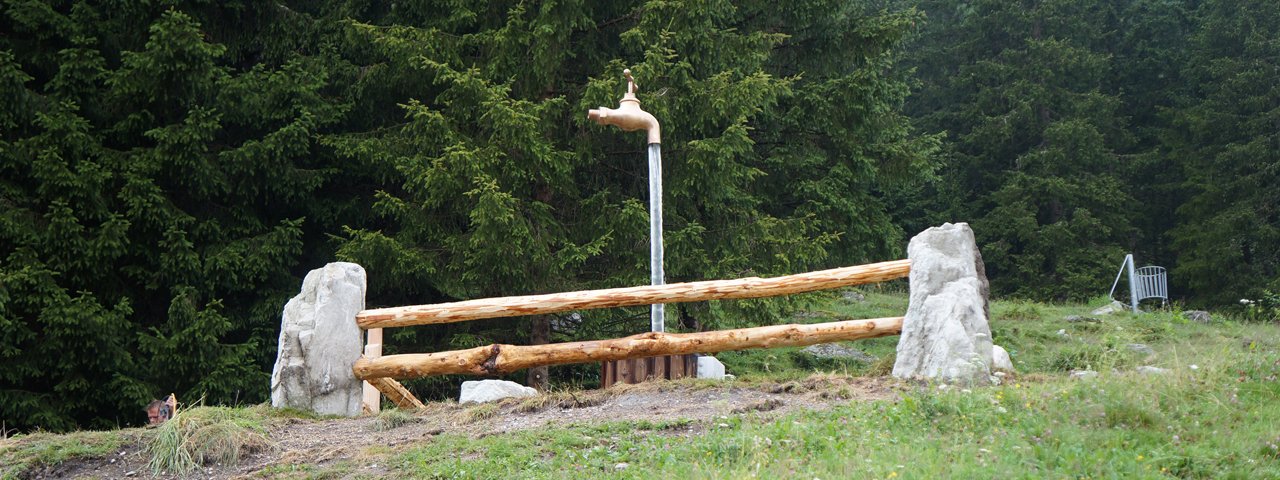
<point x="500" y="359"/>
<point x="540" y="335"/>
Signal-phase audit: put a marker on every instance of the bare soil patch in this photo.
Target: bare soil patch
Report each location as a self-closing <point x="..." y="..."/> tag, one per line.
<point x="300" y="444"/>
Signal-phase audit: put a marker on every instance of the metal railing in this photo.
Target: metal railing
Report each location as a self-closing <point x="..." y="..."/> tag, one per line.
<point x="1146" y="282"/>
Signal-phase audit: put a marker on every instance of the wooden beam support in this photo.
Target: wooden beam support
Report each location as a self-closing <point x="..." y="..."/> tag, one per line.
<point x="396" y="392"/>
<point x="499" y="359"/>
<point x="371" y="403"/>
<point x="753" y="287"/>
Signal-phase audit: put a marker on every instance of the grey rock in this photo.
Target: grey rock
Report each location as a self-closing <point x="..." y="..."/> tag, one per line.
<point x="710" y="367"/>
<point x="566" y="323"/>
<point x="852" y="296"/>
<point x="1140" y="349"/>
<point x="945" y="335"/>
<point x="835" y="350"/>
<point x="1080" y="319"/>
<point x="1084" y="374"/>
<point x="1113" y="308"/>
<point x="1000" y="359"/>
<point x="481" y="391"/>
<point x="1199" y="316"/>
<point x="320" y="342"/>
<point x="1150" y="370"/>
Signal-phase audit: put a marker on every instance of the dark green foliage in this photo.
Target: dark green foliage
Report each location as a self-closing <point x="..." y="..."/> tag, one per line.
<point x="154" y="200"/>
<point x="168" y="173"/>
<point x="1019" y="86"/>
<point x="777" y="132"/>
<point x="1227" y="139"/>
<point x="1079" y="131"/>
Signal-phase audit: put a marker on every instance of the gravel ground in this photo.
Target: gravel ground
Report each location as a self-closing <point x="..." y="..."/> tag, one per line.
<point x="320" y="442"/>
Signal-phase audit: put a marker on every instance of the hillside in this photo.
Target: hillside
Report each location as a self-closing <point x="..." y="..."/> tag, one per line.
<point x="786" y="415"/>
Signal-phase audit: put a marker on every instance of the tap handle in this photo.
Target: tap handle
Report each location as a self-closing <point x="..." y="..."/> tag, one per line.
<point x="631" y="82"/>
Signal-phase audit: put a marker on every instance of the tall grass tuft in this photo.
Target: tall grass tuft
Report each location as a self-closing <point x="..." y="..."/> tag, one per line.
<point x="206" y="435"/>
<point x="392" y="418"/>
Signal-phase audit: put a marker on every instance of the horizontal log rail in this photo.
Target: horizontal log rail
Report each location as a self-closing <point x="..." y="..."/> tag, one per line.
<point x="499" y="359"/>
<point x="753" y="287"/>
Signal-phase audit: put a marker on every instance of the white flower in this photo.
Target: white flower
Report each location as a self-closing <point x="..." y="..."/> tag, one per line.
<point x="1244" y="301"/>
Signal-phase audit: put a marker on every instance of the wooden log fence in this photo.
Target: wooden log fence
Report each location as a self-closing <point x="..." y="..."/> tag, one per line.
<point x="753" y="287"/>
<point x="497" y="359"/>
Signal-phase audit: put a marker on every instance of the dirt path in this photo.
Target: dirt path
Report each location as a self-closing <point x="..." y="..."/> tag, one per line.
<point x="320" y="442"/>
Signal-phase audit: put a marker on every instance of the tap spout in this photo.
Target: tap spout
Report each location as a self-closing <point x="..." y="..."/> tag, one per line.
<point x="628" y="116"/>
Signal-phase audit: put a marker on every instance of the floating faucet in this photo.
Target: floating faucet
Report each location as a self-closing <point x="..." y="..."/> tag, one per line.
<point x="629" y="117"/>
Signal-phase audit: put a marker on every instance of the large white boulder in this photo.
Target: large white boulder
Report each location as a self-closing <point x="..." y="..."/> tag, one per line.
<point x="945" y="335"/>
<point x="320" y="342"/>
<point x="710" y="367"/>
<point x="481" y="391"/>
<point x="1000" y="359"/>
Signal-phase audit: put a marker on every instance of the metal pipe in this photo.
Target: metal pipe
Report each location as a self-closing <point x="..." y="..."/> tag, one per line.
<point x="630" y="117"/>
<point x="1133" y="286"/>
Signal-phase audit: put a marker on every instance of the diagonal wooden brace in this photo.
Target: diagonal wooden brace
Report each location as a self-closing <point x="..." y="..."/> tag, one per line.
<point x="397" y="393"/>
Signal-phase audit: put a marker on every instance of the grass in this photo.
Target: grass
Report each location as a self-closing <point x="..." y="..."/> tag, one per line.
<point x="24" y="453"/>
<point x="207" y="435"/>
<point x="1217" y="419"/>
<point x="785" y="364"/>
<point x="564" y="399"/>
<point x="392" y="418"/>
<point x="480" y="412"/>
<point x="1214" y="415"/>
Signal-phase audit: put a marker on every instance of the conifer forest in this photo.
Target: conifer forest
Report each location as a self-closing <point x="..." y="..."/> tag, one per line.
<point x="170" y="170"/>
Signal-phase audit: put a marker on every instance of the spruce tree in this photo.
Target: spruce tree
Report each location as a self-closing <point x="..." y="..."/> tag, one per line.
<point x="154" y="202"/>
<point x="778" y="126"/>
<point x="1021" y="89"/>
<point x="1226" y="138"/>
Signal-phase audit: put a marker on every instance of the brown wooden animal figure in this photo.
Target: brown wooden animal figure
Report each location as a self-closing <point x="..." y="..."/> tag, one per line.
<point x="159" y="411"/>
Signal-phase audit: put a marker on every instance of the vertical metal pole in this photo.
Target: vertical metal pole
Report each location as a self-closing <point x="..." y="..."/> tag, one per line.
<point x="1133" y="286"/>
<point x="657" y="314"/>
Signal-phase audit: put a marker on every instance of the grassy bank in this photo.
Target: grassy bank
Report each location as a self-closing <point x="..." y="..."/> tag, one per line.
<point x="1211" y="414"/>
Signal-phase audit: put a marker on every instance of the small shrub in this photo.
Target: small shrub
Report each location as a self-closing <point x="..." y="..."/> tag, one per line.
<point x="1019" y="311"/>
<point x="1077" y="357"/>
<point x="1270" y="449"/>
<point x="1265" y="308"/>
<point x="884" y="366"/>
<point x="1120" y="412"/>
